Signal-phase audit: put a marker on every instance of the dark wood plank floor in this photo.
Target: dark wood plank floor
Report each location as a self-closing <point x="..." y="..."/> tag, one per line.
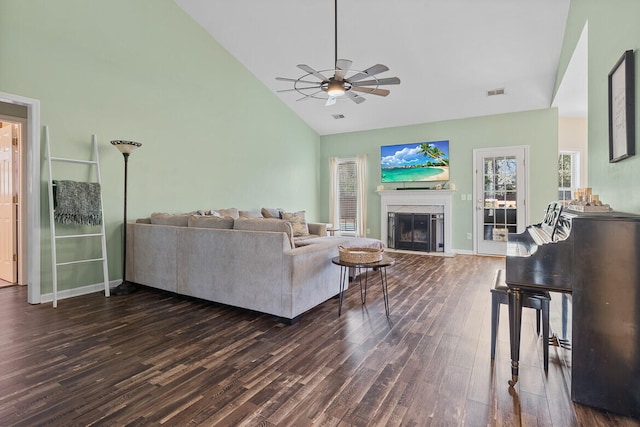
<point x="156" y="359"/>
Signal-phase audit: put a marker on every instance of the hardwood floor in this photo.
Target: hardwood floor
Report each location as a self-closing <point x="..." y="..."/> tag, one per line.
<point x="4" y="283"/>
<point x="151" y="358"/>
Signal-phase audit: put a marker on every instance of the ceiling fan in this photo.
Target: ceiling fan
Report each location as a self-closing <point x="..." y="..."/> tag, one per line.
<point x="341" y="84"/>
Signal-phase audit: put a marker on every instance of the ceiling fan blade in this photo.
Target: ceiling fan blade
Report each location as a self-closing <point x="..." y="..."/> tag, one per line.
<point x="371" y="71"/>
<point x="300" y="88"/>
<point x="379" y="92"/>
<point x="310" y="70"/>
<point x="342" y="67"/>
<point x="330" y="101"/>
<point x="304" y="98"/>
<point x="379" y="82"/>
<point x="284" y="79"/>
<point x="355" y="97"/>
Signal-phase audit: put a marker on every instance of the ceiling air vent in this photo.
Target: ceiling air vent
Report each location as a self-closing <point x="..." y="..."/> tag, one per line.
<point x="338" y="116"/>
<point x="495" y="92"/>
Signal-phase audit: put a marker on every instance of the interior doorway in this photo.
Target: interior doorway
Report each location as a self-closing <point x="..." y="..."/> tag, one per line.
<point x="10" y="196"/>
<point x="26" y="111"/>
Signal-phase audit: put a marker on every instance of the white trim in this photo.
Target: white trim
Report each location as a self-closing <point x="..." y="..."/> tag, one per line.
<point x="417" y="198"/>
<point x="32" y="151"/>
<point x="83" y="290"/>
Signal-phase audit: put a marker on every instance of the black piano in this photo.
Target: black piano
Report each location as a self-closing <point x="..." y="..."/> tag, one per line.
<point x="595" y="257"/>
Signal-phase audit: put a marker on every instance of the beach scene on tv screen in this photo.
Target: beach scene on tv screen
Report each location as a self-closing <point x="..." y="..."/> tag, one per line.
<point x="418" y="161"/>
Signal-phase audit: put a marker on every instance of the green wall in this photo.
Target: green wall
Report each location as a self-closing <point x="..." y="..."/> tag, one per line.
<point x="213" y="136"/>
<point x="536" y="129"/>
<point x="613" y="28"/>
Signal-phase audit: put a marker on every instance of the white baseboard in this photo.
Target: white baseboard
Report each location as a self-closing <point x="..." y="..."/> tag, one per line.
<point x="75" y="292"/>
<point x="464" y="252"/>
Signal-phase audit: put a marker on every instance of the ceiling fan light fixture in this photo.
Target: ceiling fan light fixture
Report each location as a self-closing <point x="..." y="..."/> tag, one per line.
<point x="341" y="83"/>
<point x="335" y="88"/>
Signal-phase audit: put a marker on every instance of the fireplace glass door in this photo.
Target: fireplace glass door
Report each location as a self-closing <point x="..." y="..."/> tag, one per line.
<point x="415" y="231"/>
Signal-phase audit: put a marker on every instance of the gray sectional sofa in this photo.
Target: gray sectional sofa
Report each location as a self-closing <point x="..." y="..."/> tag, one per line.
<point x="254" y="265"/>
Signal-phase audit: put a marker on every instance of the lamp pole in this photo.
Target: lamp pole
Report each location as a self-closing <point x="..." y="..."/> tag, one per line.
<point x="125" y="288"/>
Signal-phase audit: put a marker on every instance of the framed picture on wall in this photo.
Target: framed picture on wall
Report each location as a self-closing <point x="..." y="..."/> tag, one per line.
<point x="622" y="109"/>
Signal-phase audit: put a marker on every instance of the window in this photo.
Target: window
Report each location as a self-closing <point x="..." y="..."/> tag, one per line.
<point x="347" y="202"/>
<point x="568" y="174"/>
<point x="347" y="196"/>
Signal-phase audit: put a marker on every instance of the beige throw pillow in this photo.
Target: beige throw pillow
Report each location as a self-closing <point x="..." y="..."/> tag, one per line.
<point x="231" y="212"/>
<point x="250" y="214"/>
<point x="298" y="223"/>
<point x="271" y="212"/>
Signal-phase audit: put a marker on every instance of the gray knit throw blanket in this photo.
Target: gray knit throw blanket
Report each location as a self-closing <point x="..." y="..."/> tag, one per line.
<point x="77" y="203"/>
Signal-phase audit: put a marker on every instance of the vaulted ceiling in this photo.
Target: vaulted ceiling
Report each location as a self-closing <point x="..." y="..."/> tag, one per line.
<point x="447" y="53"/>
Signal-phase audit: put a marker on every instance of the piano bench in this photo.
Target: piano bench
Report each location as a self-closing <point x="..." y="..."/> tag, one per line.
<point x="536" y="300"/>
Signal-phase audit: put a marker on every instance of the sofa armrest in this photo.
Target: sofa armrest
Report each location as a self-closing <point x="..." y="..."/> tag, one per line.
<point x="317" y="228"/>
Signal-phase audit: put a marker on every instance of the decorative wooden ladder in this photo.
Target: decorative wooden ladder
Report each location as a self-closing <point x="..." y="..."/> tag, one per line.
<point x="56" y="237"/>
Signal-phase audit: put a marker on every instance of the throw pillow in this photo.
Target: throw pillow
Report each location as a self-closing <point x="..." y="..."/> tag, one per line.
<point x="178" y="220"/>
<point x="210" y="222"/>
<point x="250" y="214"/>
<point x="298" y="222"/>
<point x="271" y="213"/>
<point x="231" y="212"/>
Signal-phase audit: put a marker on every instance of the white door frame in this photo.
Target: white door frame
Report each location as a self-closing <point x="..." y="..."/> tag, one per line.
<point x="30" y="221"/>
<point x="521" y="186"/>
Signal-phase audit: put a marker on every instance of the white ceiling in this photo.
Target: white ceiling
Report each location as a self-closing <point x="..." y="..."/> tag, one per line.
<point x="447" y="53"/>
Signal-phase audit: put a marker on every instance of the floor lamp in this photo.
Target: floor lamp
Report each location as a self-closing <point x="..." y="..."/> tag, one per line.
<point x="125" y="288"/>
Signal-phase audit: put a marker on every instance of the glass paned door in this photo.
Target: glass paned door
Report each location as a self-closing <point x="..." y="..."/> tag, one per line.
<point x="500" y="203"/>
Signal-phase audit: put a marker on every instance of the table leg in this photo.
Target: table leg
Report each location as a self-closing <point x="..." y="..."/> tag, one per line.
<point x="344" y="273"/>
<point x="385" y="289"/>
<point x="363" y="296"/>
<point x="515" y="325"/>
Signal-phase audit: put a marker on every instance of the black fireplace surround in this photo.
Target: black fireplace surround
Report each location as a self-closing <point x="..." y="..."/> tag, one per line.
<point x="416" y="231"/>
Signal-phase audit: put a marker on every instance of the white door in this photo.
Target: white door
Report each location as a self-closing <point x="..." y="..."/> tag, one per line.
<point x="8" y="264"/>
<point x="500" y="194"/>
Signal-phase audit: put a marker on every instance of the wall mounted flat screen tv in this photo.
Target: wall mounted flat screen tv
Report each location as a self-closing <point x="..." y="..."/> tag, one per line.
<point x="415" y="162"/>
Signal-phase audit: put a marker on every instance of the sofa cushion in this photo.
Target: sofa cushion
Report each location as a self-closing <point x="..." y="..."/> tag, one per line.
<point x="271" y="212"/>
<point x="178" y="220"/>
<point x="250" y="214"/>
<point x="231" y="213"/>
<point x="265" y="224"/>
<point x="298" y="222"/>
<point x="210" y="222"/>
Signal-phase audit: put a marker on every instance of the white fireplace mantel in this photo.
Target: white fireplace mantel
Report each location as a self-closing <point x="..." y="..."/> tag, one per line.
<point x="393" y="198"/>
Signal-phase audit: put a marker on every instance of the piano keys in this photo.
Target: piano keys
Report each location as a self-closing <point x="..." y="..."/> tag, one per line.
<point x="594" y="257"/>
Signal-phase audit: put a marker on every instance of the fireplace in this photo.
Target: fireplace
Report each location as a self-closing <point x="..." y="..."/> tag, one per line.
<point x="430" y="209"/>
<point x="416" y="231"/>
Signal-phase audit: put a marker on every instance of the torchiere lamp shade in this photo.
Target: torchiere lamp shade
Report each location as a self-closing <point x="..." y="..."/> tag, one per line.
<point x="126" y="147"/>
